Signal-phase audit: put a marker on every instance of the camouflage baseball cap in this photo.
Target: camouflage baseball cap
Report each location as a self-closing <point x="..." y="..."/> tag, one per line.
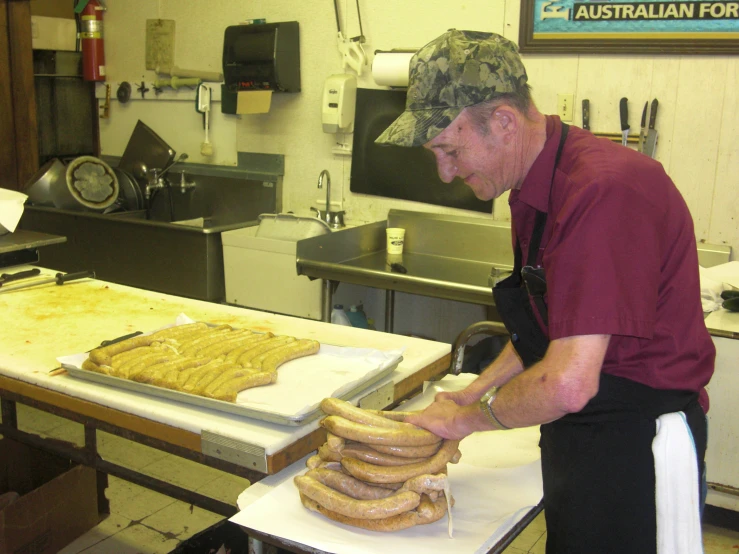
<point x="456" y="70"/>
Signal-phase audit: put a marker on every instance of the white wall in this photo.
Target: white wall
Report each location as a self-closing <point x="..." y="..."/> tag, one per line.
<point x="697" y="122"/>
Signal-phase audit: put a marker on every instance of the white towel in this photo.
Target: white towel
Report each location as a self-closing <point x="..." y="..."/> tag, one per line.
<point x="676" y="495"/>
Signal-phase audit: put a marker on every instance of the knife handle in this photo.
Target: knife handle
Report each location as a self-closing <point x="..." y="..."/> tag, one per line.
<point x="61" y="278"/>
<point x="623" y="107"/>
<point x="586" y="114"/>
<point x="8" y="277"/>
<point x="644" y="115"/>
<point x="653" y="113"/>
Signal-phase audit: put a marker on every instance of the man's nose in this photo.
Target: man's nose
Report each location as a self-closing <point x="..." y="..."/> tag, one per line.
<point x="447" y="170"/>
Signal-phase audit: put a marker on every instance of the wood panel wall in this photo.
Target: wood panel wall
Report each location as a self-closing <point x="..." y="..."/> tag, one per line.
<point x="19" y="154"/>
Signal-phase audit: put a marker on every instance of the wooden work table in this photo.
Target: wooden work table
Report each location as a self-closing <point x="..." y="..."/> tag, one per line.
<point x="49" y="321"/>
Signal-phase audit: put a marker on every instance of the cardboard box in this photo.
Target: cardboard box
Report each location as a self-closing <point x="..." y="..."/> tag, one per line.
<point x="57" y="504"/>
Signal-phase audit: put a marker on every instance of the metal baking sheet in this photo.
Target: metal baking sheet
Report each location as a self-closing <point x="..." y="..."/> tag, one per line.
<point x="220" y="405"/>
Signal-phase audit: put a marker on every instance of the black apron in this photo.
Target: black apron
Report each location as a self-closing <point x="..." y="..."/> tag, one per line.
<point x="597" y="464"/>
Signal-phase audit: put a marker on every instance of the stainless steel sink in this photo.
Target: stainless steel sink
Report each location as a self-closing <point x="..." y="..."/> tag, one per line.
<point x="184" y="258"/>
<point x="444" y="256"/>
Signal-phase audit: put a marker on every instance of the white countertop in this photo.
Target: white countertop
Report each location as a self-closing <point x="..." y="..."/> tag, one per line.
<point x="723" y="320"/>
<point x="45" y="322"/>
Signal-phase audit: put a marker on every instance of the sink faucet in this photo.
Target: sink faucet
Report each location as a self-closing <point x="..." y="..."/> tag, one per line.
<point x="155" y="176"/>
<point x="328" y="191"/>
<point x="334" y="219"/>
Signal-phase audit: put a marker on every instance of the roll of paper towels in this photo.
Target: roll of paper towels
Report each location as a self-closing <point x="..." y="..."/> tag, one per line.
<point x="390" y="69"/>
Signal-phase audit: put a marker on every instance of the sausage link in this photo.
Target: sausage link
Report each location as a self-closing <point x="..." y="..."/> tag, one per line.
<point x="104" y="354"/>
<point x="348" y="485"/>
<point x="426" y="484"/>
<point x="205" y="341"/>
<point x="343" y="504"/>
<point x="431" y="511"/>
<point x="368" y="454"/>
<point x="394" y="474"/>
<point x="329" y="455"/>
<point x="313" y="462"/>
<point x="304" y="347"/>
<point x="414" y="436"/>
<point x="334" y="442"/>
<point x="252" y="341"/>
<point x="246" y="358"/>
<point x="347" y="410"/>
<point x="229" y="391"/>
<point x="408" y="451"/>
<point x="395" y="416"/>
<point x="89" y="365"/>
<point x="224" y="346"/>
<point x="197" y="339"/>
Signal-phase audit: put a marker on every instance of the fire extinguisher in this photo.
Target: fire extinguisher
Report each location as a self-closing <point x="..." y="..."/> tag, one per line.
<point x="91" y="37"/>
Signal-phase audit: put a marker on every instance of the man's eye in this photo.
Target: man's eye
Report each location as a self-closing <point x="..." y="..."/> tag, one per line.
<point x="451" y="153"/>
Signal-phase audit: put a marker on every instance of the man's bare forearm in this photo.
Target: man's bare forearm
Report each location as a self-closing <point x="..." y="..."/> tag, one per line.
<point x="506" y="366"/>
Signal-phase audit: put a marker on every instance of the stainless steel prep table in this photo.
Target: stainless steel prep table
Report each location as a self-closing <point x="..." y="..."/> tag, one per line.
<point x="50" y="321"/>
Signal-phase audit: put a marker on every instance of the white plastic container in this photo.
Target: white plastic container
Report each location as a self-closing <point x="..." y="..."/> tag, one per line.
<point x="339" y="317"/>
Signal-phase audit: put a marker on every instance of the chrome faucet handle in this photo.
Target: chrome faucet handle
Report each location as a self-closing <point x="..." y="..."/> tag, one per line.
<point x="184" y="183"/>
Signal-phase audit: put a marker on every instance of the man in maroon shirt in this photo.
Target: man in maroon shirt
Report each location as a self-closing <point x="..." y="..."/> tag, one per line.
<point x="603" y="305"/>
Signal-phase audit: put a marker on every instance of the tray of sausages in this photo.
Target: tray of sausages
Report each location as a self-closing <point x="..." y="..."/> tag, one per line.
<point x="275" y="378"/>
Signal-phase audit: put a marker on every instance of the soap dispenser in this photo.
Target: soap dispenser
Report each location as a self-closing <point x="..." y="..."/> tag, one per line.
<point x="339" y="99"/>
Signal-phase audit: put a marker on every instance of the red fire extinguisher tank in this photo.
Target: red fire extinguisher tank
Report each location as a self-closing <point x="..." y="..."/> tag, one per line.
<point x="91" y="37"/>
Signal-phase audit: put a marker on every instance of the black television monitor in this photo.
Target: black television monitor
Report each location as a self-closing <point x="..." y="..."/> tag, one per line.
<point x="396" y="172"/>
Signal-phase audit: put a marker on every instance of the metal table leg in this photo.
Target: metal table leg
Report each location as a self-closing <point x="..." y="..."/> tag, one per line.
<point x="389" y="310"/>
<point x="327" y="299"/>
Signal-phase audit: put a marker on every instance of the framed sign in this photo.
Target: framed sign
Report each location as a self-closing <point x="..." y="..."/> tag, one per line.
<point x="629" y="26"/>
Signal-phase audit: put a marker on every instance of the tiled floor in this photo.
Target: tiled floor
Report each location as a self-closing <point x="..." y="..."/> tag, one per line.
<point x="146" y="522"/>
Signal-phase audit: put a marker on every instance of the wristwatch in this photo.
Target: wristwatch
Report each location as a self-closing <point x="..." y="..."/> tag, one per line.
<point x="486" y="406"/>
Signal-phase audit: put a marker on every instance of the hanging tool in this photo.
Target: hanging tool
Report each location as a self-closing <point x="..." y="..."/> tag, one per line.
<point x="623" y="108"/>
<point x="351" y="50"/>
<point x="586" y="114"/>
<point x="59" y="279"/>
<point x="202" y="105"/>
<point x="643" y="131"/>
<point x="650" y="145"/>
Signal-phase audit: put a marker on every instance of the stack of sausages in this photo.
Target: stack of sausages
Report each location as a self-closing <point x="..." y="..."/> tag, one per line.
<point x="216" y="362"/>
<point x="376" y="472"/>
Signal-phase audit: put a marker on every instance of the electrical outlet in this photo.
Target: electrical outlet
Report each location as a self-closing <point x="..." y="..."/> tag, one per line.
<point x="565" y="105"/>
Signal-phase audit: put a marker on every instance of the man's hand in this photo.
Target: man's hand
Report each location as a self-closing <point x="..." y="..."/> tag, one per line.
<point x="449" y="420"/>
<point x="466" y="396"/>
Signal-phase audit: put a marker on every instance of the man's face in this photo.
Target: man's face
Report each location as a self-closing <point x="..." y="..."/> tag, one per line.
<point x="462" y="151"/>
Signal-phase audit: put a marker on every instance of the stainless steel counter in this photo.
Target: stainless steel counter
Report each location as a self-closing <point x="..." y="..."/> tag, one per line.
<point x="449" y="257"/>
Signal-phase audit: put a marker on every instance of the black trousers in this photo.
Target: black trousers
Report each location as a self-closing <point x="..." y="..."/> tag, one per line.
<point x="598" y="469"/>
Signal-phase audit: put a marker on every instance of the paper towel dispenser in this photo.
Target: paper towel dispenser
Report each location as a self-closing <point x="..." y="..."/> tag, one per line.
<point x="262" y="57"/>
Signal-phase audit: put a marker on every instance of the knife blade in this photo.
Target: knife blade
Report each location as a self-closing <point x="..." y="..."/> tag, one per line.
<point x="650" y="146"/>
<point x="623" y="108"/>
<point x="643" y="131"/>
<point x="8" y="277"/>
<point x="586" y="114"/>
<point x="59" y="279"/>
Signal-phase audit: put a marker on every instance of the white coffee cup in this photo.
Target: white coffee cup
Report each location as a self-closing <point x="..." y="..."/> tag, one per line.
<point x="395" y="240"/>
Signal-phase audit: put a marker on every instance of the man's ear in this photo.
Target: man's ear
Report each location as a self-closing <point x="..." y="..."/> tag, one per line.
<point x="506" y="120"/>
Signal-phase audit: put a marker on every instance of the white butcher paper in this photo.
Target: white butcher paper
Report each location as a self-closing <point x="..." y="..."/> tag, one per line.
<point x="495" y="485"/>
<point x="488" y="503"/>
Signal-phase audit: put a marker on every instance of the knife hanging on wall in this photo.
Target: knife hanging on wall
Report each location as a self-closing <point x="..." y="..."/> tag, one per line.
<point x="623" y="109"/>
<point x="586" y="114"/>
<point x="650" y="145"/>
<point x="643" y="131"/>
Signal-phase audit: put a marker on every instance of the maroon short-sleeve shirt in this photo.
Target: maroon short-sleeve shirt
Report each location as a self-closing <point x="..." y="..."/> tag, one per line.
<point x="620" y="259"/>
